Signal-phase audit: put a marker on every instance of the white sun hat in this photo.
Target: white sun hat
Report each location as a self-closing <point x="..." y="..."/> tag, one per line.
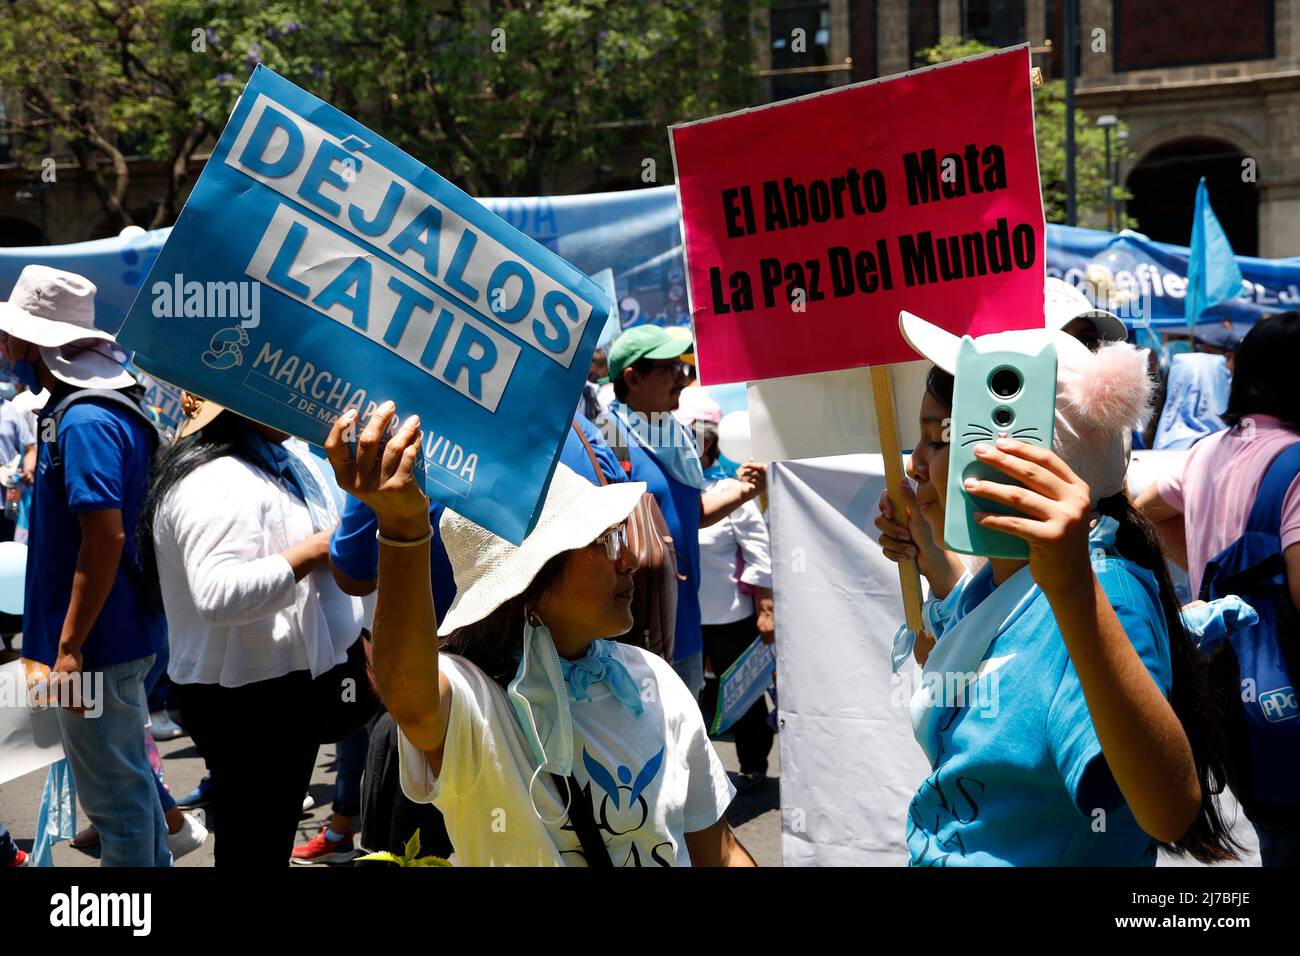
<point x="1064" y="302"/>
<point x="50" y="307"/>
<point x="89" y="363"/>
<point x="1100" y="395"/>
<point x="489" y="570"/>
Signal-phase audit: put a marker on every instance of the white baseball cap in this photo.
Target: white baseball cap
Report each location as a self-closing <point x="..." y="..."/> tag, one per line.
<point x="1063" y="303"/>
<point x="1100" y="396"/>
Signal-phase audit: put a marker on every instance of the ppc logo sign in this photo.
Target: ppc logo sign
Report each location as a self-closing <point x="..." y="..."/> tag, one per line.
<point x="1279" y="704"/>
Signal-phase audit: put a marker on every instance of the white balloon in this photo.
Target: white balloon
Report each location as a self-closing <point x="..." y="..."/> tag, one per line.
<point x="13" y="574"/>
<point x="733" y="437"/>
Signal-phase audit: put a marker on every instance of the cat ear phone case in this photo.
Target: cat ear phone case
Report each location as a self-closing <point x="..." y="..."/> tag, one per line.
<point x="997" y="393"/>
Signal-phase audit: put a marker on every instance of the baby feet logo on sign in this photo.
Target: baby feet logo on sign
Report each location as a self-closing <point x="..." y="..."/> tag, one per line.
<point x="317" y="268"/>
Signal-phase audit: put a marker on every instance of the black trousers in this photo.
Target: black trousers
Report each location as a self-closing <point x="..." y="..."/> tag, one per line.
<point x="723" y="643"/>
<point x="387" y="818"/>
<point x="259" y="742"/>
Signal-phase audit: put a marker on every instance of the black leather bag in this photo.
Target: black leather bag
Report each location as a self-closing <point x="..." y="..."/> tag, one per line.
<point x="343" y="698"/>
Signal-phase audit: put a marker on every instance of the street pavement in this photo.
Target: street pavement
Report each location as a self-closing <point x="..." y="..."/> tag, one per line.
<point x="755" y="817"/>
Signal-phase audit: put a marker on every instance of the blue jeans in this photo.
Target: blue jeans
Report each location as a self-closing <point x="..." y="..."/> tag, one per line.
<point x="110" y="767"/>
<point x="8" y="850"/>
<point x="691" y="671"/>
<point x="350" y="761"/>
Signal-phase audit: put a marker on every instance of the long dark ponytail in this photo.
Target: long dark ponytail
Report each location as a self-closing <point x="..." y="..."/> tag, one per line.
<point x="1209" y="839"/>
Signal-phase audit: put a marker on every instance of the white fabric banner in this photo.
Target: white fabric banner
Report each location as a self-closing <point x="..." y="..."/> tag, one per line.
<point x="29" y="740"/>
<point x="849" y="762"/>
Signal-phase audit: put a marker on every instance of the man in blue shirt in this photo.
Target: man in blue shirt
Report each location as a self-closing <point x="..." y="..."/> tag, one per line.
<point x="648" y="373"/>
<point x="86" y="615"/>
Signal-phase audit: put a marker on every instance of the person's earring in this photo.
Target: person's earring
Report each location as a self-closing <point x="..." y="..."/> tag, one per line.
<point x="533" y="619"/>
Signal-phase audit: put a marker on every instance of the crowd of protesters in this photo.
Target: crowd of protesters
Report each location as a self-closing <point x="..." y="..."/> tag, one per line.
<point x="234" y="578"/>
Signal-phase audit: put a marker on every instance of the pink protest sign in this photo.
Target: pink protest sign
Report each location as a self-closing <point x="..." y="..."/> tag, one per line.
<point x="810" y="223"/>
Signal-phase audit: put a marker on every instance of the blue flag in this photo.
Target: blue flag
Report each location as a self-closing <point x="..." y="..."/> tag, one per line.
<point x="317" y="268"/>
<point x="1213" y="275"/>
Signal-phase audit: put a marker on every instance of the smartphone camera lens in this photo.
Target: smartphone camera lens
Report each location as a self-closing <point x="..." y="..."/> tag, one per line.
<point x="1003" y="417"/>
<point x="1005" y="382"/>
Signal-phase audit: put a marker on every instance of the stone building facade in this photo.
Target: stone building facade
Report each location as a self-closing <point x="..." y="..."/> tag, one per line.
<point x="1205" y="87"/>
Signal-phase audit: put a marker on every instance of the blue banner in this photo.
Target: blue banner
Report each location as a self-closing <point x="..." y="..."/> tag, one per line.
<point x="1146" y="282"/>
<point x="743" y="683"/>
<point x="317" y="268"/>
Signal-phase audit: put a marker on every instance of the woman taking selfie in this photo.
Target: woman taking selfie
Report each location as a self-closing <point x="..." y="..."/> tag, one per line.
<point x="541" y="742"/>
<point x="1087" y="736"/>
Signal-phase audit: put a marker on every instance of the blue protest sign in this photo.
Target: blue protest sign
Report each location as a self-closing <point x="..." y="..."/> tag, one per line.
<point x="743" y="683"/>
<point x="164" y="399"/>
<point x="317" y="268"/>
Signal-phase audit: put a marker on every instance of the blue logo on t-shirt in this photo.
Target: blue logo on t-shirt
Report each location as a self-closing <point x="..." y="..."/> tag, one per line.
<point x="1279" y="704"/>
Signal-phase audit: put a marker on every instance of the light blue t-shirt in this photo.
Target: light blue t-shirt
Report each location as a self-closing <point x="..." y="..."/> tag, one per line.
<point x="1197" y="394"/>
<point x="1020" y="778"/>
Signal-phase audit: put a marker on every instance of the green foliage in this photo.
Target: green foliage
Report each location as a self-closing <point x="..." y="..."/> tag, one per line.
<point x="410" y="855"/>
<point x="1049" y="127"/>
<point x="497" y="97"/>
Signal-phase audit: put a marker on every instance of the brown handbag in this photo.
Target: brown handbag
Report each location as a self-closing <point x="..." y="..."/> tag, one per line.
<point x="654" y="600"/>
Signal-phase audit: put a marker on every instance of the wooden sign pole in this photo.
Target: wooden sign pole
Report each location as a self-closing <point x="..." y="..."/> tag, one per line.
<point x="882" y="392"/>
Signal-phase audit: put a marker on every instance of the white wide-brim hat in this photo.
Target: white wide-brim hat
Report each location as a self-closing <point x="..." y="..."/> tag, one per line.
<point x="89" y="363"/>
<point x="1063" y="303"/>
<point x="50" y="308"/>
<point x="1100" y="396"/>
<point x="489" y="570"/>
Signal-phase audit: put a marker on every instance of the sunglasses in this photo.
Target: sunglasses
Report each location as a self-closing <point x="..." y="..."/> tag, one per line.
<point x="676" y="368"/>
<point x="615" y="542"/>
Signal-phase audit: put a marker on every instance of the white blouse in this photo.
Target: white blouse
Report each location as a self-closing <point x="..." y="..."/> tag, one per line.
<point x="235" y="615"/>
<point x="740" y="535"/>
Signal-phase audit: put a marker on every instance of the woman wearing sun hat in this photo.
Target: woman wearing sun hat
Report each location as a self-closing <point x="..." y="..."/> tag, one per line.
<point x="541" y="742"/>
<point x="1094" y="738"/>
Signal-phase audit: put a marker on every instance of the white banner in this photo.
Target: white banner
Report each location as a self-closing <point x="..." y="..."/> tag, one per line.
<point x="29" y="740"/>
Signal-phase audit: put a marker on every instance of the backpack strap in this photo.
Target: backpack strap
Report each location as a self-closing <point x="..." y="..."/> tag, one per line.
<point x="1255" y="559"/>
<point x="146" y="586"/>
<point x="600" y="475"/>
<point x="113" y="396"/>
<point x="621" y="448"/>
<point x="584" y="823"/>
<point x="1266" y="513"/>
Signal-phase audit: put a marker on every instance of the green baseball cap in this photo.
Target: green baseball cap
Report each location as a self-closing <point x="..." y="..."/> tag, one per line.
<point x="645" y="342"/>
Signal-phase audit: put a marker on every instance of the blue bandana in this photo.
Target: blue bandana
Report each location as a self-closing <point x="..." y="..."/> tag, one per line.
<point x="670" y="443"/>
<point x="600" y="664"/>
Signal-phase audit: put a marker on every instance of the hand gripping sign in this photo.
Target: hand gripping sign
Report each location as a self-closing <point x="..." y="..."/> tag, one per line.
<point x="810" y="224"/>
<point x="318" y="268"/>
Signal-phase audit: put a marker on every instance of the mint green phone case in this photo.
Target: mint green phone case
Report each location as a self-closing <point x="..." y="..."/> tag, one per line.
<point x="996" y="393"/>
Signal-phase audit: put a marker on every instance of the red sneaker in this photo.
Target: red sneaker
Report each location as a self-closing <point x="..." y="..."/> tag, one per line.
<point x="320" y="849"/>
<point x="19" y="860"/>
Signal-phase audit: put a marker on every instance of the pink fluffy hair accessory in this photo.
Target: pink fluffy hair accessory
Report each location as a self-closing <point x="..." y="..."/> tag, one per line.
<point x="1112" y="391"/>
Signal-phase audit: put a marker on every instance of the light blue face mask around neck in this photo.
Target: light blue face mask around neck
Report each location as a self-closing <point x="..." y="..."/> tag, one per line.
<point x="540" y="699"/>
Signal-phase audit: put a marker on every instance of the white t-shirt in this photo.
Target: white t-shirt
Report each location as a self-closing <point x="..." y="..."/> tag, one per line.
<point x="651" y="779"/>
<point x="235" y="614"/>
